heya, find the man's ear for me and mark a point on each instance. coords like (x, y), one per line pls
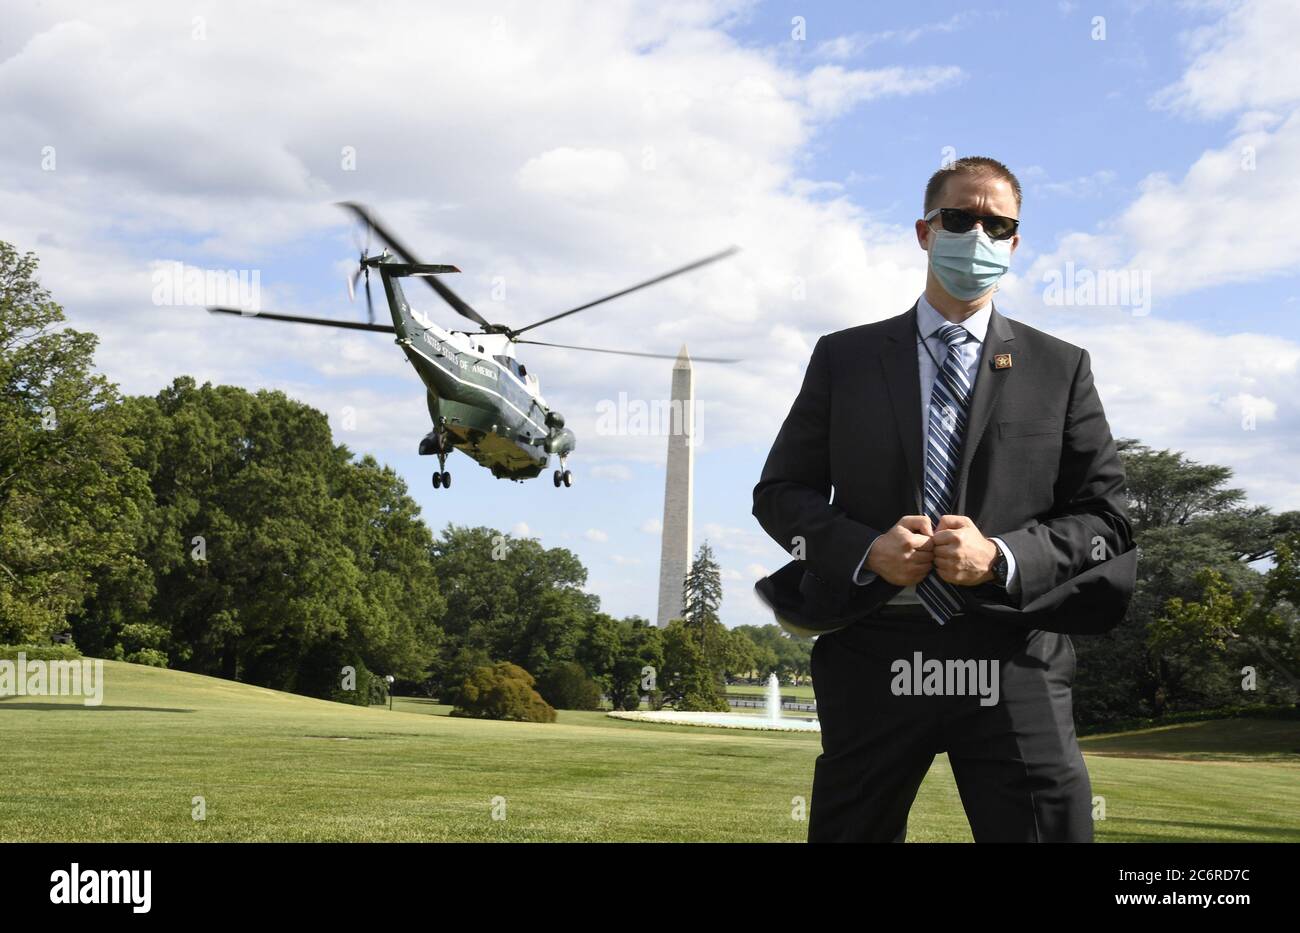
(922, 234)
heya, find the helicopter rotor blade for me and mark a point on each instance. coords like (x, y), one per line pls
(446, 294)
(362, 246)
(363, 214)
(370, 304)
(729, 251)
(317, 321)
(415, 268)
(461, 308)
(657, 356)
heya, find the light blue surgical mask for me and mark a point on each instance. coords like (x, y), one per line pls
(968, 264)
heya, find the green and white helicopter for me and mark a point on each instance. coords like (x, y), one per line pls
(482, 399)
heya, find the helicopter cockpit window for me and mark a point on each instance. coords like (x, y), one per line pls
(511, 364)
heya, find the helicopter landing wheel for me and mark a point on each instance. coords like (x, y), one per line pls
(567, 478)
(557, 479)
(446, 479)
(437, 480)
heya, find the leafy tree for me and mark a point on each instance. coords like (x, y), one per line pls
(391, 546)
(511, 597)
(640, 651)
(567, 686)
(697, 648)
(277, 558)
(364, 688)
(73, 506)
(502, 691)
(762, 651)
(686, 680)
(598, 648)
(738, 654)
(1186, 520)
(1263, 634)
(254, 570)
(777, 652)
(450, 672)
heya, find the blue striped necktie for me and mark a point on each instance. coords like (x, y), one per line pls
(949, 401)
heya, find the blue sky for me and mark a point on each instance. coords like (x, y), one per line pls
(564, 152)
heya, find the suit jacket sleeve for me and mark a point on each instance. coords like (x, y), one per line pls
(792, 498)
(1089, 523)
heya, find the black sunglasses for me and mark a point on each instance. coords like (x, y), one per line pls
(956, 220)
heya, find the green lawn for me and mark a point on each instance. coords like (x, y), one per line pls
(803, 691)
(273, 766)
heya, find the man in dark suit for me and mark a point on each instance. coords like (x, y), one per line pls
(947, 483)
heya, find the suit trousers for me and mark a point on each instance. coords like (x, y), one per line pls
(1017, 764)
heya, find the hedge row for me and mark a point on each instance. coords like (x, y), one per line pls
(41, 652)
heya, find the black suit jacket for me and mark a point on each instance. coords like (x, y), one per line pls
(1039, 469)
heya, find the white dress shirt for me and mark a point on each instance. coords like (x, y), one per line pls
(930, 321)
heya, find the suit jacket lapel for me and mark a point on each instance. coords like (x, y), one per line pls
(903, 377)
(989, 383)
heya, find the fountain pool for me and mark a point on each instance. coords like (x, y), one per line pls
(770, 719)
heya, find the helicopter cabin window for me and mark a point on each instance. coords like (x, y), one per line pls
(512, 364)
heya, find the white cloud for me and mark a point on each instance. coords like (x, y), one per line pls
(1251, 409)
(566, 172)
(1205, 229)
(1220, 399)
(1083, 186)
(595, 534)
(549, 177)
(854, 44)
(725, 539)
(831, 89)
(1211, 226)
(1243, 61)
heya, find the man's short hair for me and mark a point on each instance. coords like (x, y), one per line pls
(970, 165)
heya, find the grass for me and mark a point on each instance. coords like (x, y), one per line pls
(274, 766)
(802, 691)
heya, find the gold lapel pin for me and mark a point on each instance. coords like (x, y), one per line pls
(1002, 361)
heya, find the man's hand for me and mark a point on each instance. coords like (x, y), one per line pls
(904, 554)
(962, 556)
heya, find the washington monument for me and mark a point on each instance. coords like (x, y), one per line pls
(675, 549)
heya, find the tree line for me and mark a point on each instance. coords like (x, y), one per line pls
(222, 531)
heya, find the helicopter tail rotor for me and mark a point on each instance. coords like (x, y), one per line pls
(363, 268)
(371, 223)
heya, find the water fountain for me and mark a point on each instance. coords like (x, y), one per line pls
(771, 720)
